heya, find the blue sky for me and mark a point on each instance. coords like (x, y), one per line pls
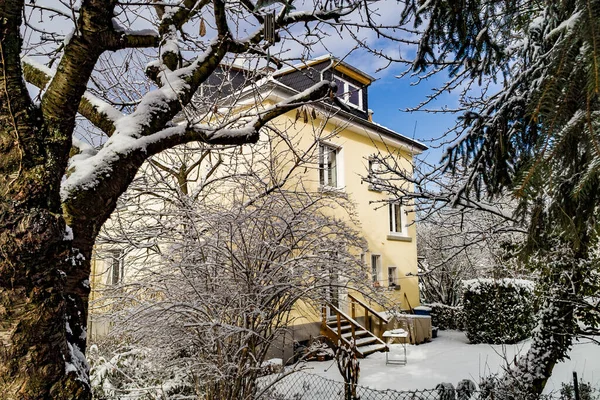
(389, 96)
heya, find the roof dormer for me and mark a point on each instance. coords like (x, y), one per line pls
(352, 83)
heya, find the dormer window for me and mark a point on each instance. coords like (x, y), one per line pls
(349, 93)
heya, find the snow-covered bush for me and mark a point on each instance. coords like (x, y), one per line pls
(446, 391)
(225, 291)
(121, 370)
(586, 391)
(498, 310)
(465, 389)
(447, 317)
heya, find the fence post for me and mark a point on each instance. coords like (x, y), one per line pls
(576, 386)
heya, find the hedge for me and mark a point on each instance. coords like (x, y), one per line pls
(498, 311)
(447, 317)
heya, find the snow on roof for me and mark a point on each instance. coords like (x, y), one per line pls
(318, 60)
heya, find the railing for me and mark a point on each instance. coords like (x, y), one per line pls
(367, 312)
(336, 336)
(340, 316)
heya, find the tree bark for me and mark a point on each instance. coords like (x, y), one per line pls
(42, 317)
(40, 357)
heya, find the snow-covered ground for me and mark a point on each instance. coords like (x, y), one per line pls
(449, 358)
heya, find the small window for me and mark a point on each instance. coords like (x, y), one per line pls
(375, 268)
(375, 182)
(397, 219)
(392, 277)
(115, 267)
(328, 165)
(349, 93)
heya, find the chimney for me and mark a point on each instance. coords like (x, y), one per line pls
(370, 112)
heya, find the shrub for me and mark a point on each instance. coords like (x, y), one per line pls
(586, 391)
(447, 317)
(498, 311)
(123, 370)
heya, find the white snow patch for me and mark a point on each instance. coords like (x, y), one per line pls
(141, 32)
(450, 358)
(272, 362)
(566, 25)
(68, 37)
(68, 233)
(78, 363)
(103, 107)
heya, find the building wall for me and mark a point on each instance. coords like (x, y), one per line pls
(356, 146)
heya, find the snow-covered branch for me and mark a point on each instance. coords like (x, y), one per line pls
(98, 112)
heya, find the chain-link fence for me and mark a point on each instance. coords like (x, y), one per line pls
(305, 386)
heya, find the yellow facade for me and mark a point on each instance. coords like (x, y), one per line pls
(396, 251)
(355, 143)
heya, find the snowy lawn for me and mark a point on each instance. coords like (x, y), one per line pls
(449, 358)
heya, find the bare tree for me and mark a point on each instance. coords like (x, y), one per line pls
(57, 191)
(464, 242)
(460, 236)
(228, 275)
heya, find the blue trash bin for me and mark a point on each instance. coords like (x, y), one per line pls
(422, 310)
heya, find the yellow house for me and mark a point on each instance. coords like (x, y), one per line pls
(348, 141)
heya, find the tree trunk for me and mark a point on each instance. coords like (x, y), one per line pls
(551, 342)
(552, 338)
(42, 326)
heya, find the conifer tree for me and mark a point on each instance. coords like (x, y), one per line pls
(533, 133)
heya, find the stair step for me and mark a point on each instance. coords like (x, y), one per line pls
(348, 335)
(365, 341)
(372, 348)
(343, 328)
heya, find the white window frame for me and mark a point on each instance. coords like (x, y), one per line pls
(392, 220)
(115, 262)
(372, 168)
(392, 282)
(376, 269)
(346, 93)
(323, 163)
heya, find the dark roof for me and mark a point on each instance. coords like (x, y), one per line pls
(359, 121)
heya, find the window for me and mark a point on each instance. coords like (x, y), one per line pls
(328, 165)
(397, 219)
(115, 267)
(374, 176)
(375, 268)
(349, 93)
(392, 277)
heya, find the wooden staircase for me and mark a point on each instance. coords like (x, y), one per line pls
(340, 327)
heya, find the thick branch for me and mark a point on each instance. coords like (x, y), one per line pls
(99, 113)
(171, 23)
(102, 177)
(132, 40)
(23, 175)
